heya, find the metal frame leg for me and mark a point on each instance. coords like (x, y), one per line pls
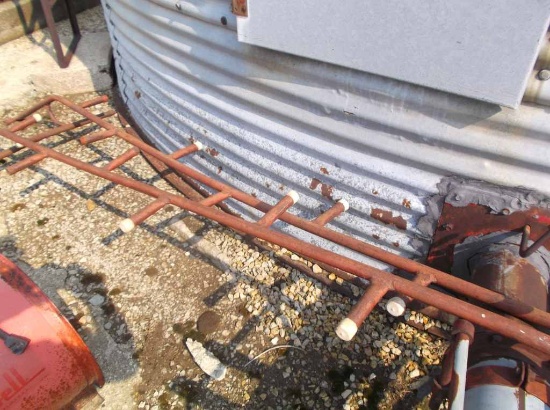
(62, 59)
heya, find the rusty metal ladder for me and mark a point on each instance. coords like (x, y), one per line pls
(497, 319)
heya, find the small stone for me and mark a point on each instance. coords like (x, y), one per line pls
(393, 376)
(97, 300)
(414, 374)
(90, 205)
(332, 276)
(317, 269)
(346, 393)
(294, 257)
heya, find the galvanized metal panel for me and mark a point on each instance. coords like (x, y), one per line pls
(274, 122)
(480, 49)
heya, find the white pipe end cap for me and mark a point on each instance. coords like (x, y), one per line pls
(37, 117)
(345, 203)
(346, 329)
(396, 306)
(199, 145)
(127, 225)
(294, 195)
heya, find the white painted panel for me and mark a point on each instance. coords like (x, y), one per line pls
(480, 49)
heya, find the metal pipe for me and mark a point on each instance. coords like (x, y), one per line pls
(482, 317)
(98, 136)
(215, 199)
(397, 304)
(130, 223)
(494, 299)
(122, 159)
(53, 131)
(336, 210)
(196, 146)
(274, 213)
(458, 381)
(27, 122)
(348, 327)
(525, 251)
(27, 162)
(52, 98)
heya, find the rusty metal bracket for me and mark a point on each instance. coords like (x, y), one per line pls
(496, 320)
(62, 59)
(239, 7)
(525, 251)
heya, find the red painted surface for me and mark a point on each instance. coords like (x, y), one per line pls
(57, 365)
(457, 224)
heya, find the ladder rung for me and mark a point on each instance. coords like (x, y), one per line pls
(286, 202)
(53, 131)
(121, 159)
(51, 99)
(27, 122)
(98, 136)
(130, 223)
(215, 199)
(396, 305)
(337, 209)
(348, 327)
(194, 147)
(27, 162)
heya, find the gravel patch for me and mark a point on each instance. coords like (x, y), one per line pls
(136, 298)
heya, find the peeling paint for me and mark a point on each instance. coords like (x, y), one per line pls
(326, 189)
(388, 218)
(212, 151)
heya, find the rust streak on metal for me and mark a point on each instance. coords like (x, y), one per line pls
(326, 189)
(212, 151)
(239, 8)
(388, 218)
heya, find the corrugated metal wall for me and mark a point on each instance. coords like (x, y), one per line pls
(274, 122)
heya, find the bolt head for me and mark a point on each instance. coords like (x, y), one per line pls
(543, 75)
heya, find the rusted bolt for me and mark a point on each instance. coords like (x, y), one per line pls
(543, 75)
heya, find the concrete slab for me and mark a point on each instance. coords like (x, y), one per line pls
(29, 64)
(20, 17)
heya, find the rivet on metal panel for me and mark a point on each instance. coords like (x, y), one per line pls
(239, 8)
(544, 75)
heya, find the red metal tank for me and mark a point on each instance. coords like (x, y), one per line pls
(56, 365)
